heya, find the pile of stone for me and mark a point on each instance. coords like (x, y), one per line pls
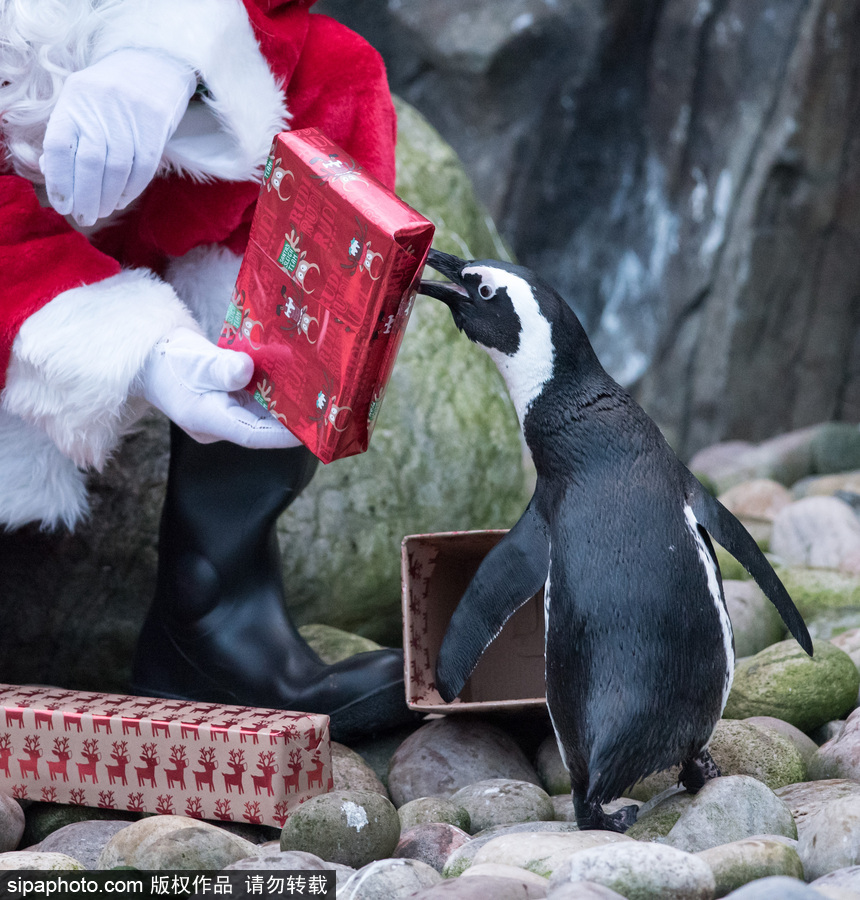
(472, 807)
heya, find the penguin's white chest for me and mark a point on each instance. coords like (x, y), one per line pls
(716, 597)
(546, 614)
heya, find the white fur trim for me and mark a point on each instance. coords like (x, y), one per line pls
(42, 44)
(228, 136)
(204, 280)
(75, 360)
(39, 484)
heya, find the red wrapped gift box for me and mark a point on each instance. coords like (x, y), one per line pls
(203, 760)
(324, 292)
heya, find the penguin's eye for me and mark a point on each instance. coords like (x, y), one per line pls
(486, 291)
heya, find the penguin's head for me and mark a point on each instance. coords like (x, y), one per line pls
(507, 310)
(481, 295)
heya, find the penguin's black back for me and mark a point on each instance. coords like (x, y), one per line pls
(636, 665)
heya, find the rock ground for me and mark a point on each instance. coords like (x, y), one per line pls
(458, 806)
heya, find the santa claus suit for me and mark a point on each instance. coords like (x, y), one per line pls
(80, 312)
(88, 314)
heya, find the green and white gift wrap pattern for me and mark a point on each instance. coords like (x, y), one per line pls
(324, 293)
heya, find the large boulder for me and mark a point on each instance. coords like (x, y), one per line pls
(348, 827)
(450, 753)
(681, 171)
(782, 681)
(726, 809)
(445, 454)
(818, 532)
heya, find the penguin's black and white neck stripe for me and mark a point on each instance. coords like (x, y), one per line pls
(534, 338)
(498, 309)
(639, 651)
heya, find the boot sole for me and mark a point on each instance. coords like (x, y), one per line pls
(379, 711)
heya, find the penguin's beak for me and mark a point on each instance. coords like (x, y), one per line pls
(452, 292)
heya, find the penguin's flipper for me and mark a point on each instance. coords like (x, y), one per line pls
(511, 573)
(729, 533)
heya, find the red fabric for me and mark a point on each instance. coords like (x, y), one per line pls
(335, 81)
(40, 257)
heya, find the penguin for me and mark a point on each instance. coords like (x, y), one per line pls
(639, 646)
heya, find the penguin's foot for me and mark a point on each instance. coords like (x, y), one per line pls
(622, 818)
(697, 770)
(591, 817)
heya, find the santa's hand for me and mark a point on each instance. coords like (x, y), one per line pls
(108, 130)
(193, 383)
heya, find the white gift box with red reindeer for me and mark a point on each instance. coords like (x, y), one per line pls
(205, 760)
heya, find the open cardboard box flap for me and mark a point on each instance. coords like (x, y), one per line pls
(436, 570)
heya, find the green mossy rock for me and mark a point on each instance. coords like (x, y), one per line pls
(333, 644)
(817, 591)
(743, 748)
(833, 623)
(658, 817)
(428, 810)
(353, 828)
(503, 801)
(35, 859)
(740, 862)
(351, 772)
(446, 452)
(730, 568)
(835, 448)
(551, 769)
(740, 748)
(173, 842)
(782, 681)
(730, 809)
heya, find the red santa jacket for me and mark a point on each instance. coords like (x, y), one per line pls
(78, 313)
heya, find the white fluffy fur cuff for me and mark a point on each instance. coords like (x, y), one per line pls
(228, 135)
(74, 361)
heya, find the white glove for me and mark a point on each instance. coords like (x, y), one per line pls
(190, 380)
(108, 130)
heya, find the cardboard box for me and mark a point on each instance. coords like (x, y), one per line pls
(436, 570)
(324, 293)
(204, 760)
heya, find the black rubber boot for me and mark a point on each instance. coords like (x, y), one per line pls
(218, 630)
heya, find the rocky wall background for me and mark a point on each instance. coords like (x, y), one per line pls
(685, 171)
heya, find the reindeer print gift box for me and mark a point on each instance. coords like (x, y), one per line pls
(324, 292)
(203, 760)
